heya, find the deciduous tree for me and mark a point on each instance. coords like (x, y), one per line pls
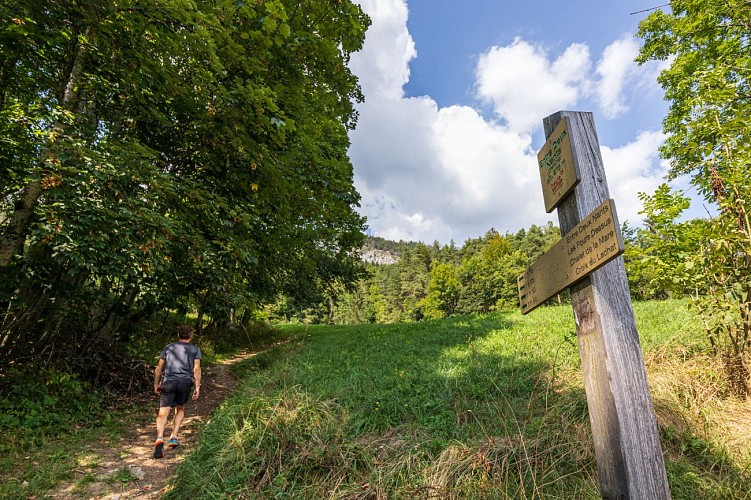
(171, 154)
(708, 83)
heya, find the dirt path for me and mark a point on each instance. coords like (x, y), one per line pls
(126, 469)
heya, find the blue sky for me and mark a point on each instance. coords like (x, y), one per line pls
(455, 93)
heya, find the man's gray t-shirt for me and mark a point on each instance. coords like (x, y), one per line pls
(178, 360)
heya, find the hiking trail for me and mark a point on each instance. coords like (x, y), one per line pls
(125, 468)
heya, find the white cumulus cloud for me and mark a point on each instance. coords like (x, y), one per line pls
(615, 69)
(632, 169)
(523, 84)
(383, 64)
(429, 173)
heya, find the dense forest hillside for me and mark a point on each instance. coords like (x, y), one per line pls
(411, 281)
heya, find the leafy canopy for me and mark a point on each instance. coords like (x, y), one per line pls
(708, 83)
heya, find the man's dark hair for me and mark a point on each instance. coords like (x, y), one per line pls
(185, 332)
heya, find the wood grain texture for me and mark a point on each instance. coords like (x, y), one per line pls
(627, 444)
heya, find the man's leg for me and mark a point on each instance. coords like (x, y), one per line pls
(182, 394)
(179, 415)
(161, 420)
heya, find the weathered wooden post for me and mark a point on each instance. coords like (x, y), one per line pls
(624, 427)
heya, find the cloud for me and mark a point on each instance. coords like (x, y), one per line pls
(615, 69)
(393, 141)
(522, 82)
(523, 85)
(636, 168)
(449, 173)
(388, 222)
(631, 169)
(383, 64)
(440, 173)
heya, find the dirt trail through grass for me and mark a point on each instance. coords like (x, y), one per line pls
(127, 469)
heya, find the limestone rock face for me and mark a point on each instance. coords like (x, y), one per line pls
(380, 257)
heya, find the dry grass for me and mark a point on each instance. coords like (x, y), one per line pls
(690, 392)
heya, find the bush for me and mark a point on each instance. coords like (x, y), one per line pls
(40, 403)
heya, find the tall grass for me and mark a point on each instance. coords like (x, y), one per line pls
(473, 407)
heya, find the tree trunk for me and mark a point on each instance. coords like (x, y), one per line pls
(14, 235)
(357, 303)
(20, 323)
(199, 323)
(7, 67)
(232, 322)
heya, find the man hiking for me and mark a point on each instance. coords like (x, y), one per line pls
(180, 363)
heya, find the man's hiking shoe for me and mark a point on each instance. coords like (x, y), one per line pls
(159, 448)
(173, 443)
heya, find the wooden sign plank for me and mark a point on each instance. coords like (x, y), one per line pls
(594, 242)
(624, 427)
(559, 172)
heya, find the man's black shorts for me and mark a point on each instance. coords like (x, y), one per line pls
(175, 393)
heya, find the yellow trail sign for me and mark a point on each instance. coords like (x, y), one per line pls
(592, 243)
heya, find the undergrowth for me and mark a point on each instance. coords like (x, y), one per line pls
(44, 403)
(48, 413)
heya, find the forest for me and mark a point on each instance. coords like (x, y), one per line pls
(428, 281)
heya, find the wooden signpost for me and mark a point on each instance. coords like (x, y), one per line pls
(587, 259)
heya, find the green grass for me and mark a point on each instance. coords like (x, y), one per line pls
(46, 416)
(473, 407)
(30, 470)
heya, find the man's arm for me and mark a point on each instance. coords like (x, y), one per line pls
(197, 377)
(158, 376)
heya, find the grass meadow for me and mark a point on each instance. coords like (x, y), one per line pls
(470, 407)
